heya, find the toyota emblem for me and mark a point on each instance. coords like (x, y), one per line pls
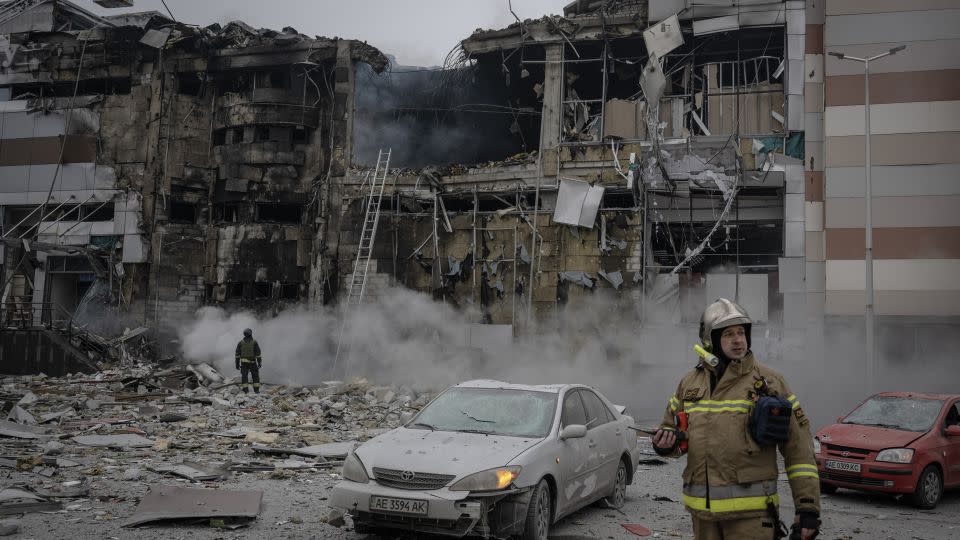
(407, 476)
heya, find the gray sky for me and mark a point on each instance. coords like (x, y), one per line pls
(417, 32)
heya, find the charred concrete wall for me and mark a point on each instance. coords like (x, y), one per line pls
(211, 146)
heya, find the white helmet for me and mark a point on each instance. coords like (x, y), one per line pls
(721, 314)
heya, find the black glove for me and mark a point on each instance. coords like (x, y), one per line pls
(238, 363)
(259, 363)
(808, 520)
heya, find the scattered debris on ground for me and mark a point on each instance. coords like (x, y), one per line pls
(147, 426)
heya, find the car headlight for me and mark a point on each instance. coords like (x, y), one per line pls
(354, 471)
(491, 480)
(816, 446)
(896, 455)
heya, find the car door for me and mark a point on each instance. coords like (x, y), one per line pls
(951, 452)
(604, 438)
(576, 464)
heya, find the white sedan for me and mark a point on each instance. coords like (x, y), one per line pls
(492, 459)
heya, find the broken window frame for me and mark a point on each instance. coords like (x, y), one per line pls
(269, 212)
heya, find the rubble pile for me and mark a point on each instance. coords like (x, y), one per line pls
(63, 438)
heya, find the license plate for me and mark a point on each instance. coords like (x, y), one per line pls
(398, 506)
(843, 466)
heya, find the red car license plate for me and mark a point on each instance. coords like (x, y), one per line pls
(843, 466)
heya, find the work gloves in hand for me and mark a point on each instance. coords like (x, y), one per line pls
(238, 363)
(259, 362)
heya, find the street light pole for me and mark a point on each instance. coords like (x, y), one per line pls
(871, 359)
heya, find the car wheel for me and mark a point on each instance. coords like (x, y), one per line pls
(619, 496)
(537, 525)
(829, 489)
(929, 488)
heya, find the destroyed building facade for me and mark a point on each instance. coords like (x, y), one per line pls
(158, 167)
(662, 152)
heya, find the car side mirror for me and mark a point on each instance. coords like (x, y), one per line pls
(951, 431)
(839, 419)
(576, 431)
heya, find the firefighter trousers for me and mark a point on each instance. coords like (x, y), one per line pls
(759, 528)
(249, 369)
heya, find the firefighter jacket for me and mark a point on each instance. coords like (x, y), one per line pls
(728, 475)
(248, 350)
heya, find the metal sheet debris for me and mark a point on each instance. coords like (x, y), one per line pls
(653, 82)
(579, 278)
(193, 470)
(165, 503)
(615, 278)
(19, 501)
(19, 431)
(578, 203)
(126, 440)
(663, 37)
(156, 38)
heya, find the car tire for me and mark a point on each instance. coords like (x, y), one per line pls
(929, 488)
(539, 514)
(829, 489)
(618, 498)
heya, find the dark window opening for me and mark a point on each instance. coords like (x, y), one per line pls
(226, 213)
(485, 203)
(237, 135)
(278, 79)
(290, 291)
(234, 290)
(279, 213)
(747, 244)
(190, 84)
(98, 213)
(220, 137)
(261, 290)
(208, 292)
(261, 134)
(181, 212)
(618, 200)
(300, 135)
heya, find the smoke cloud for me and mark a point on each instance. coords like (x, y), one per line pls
(406, 338)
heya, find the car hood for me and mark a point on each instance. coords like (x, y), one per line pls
(440, 452)
(866, 437)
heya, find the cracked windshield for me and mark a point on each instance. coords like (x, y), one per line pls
(907, 414)
(516, 413)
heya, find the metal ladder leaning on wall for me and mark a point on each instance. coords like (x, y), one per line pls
(357, 285)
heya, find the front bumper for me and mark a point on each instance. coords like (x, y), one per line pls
(449, 513)
(873, 476)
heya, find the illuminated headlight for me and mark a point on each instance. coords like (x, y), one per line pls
(816, 446)
(896, 455)
(491, 480)
(354, 471)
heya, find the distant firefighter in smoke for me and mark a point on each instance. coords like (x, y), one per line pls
(249, 362)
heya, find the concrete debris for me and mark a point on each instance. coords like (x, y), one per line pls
(262, 438)
(9, 527)
(108, 453)
(127, 440)
(20, 416)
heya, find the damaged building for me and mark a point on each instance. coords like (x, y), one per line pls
(156, 167)
(637, 149)
(660, 152)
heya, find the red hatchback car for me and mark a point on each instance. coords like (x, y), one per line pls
(894, 442)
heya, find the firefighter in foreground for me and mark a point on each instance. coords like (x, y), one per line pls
(249, 361)
(729, 415)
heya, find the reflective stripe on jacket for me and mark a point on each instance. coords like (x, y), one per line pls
(728, 475)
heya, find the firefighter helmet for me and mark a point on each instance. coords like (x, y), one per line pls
(721, 314)
(248, 333)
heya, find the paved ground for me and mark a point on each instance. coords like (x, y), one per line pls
(294, 508)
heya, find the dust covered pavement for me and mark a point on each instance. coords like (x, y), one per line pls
(90, 451)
